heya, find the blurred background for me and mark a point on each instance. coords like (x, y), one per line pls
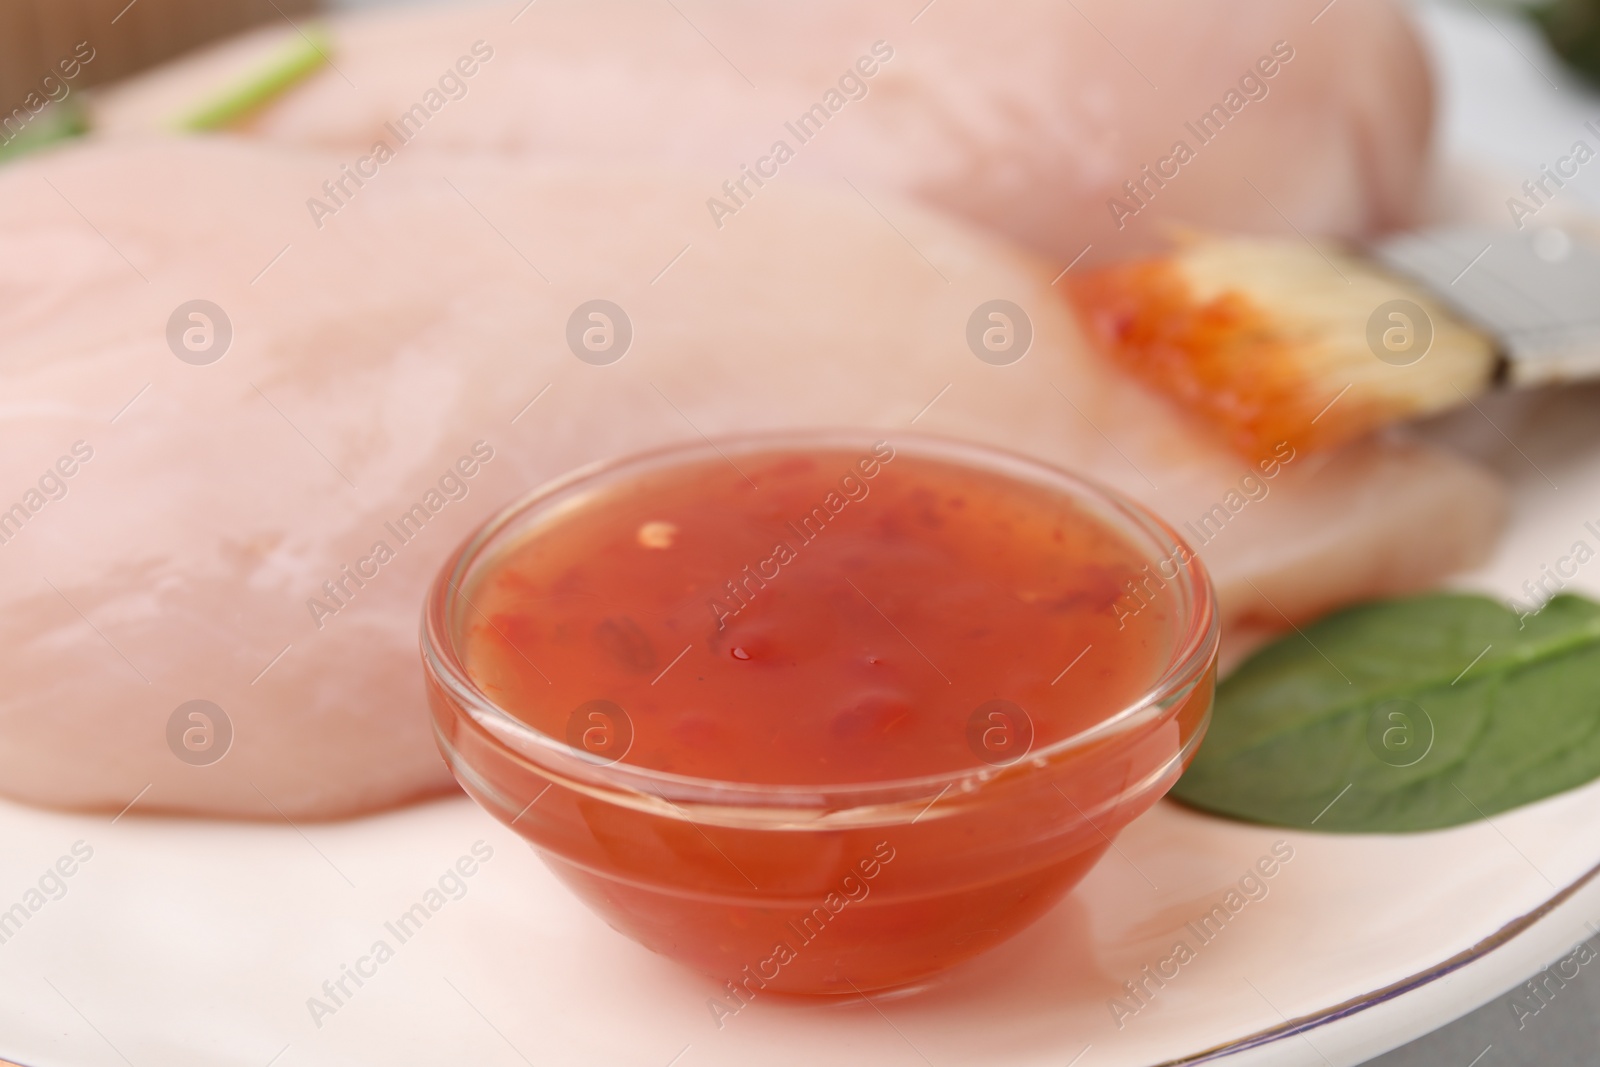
(34, 34)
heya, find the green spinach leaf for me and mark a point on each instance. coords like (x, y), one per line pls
(1573, 28)
(1406, 715)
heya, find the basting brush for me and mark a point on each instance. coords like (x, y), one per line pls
(1275, 340)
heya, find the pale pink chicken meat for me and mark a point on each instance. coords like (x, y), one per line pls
(429, 319)
(1026, 118)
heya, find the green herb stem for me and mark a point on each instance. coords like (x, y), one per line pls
(57, 122)
(307, 53)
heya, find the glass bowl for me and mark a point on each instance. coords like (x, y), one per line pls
(836, 888)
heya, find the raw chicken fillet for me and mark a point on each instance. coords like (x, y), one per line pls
(1028, 118)
(398, 373)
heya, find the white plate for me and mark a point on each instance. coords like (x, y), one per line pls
(184, 942)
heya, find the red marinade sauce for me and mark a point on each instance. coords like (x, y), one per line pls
(815, 617)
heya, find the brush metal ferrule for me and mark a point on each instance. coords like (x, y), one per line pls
(1536, 292)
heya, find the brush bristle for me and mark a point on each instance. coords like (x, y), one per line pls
(1268, 340)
